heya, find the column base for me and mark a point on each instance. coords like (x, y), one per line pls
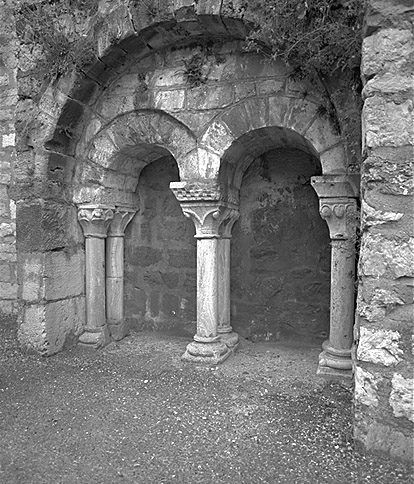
(335, 363)
(117, 329)
(231, 340)
(209, 353)
(95, 339)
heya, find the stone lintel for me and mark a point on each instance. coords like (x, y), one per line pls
(95, 219)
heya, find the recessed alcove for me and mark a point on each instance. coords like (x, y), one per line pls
(280, 251)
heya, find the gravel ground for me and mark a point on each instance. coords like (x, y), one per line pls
(135, 413)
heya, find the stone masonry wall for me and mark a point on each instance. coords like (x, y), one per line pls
(384, 410)
(8, 100)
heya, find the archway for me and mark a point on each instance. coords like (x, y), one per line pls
(160, 256)
(280, 251)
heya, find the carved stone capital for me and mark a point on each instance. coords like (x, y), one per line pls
(95, 220)
(208, 217)
(227, 224)
(340, 215)
(122, 217)
(211, 192)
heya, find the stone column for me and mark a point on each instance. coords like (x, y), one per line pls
(115, 272)
(224, 328)
(207, 345)
(337, 205)
(95, 221)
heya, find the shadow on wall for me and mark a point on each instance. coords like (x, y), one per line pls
(160, 257)
(280, 256)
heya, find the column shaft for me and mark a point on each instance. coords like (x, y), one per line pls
(95, 283)
(207, 286)
(224, 285)
(342, 294)
(115, 278)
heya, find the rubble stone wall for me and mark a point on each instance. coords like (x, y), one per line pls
(384, 410)
(8, 100)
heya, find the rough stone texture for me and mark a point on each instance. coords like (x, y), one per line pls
(8, 100)
(383, 359)
(401, 398)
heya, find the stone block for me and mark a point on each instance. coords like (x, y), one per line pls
(182, 259)
(371, 217)
(366, 387)
(143, 256)
(321, 134)
(171, 279)
(46, 225)
(45, 327)
(394, 86)
(64, 275)
(208, 164)
(8, 290)
(402, 397)
(379, 346)
(209, 97)
(169, 101)
(384, 438)
(386, 123)
(217, 138)
(392, 257)
(388, 50)
(269, 86)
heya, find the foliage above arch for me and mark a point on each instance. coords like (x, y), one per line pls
(316, 38)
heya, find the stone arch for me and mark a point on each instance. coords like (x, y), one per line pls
(252, 127)
(117, 153)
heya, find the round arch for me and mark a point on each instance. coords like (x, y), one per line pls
(116, 154)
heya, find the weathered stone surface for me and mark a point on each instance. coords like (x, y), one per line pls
(366, 387)
(386, 123)
(384, 438)
(371, 216)
(388, 50)
(45, 328)
(382, 256)
(402, 396)
(381, 347)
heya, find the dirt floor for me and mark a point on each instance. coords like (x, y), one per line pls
(135, 413)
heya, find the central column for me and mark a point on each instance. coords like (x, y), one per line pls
(203, 204)
(95, 221)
